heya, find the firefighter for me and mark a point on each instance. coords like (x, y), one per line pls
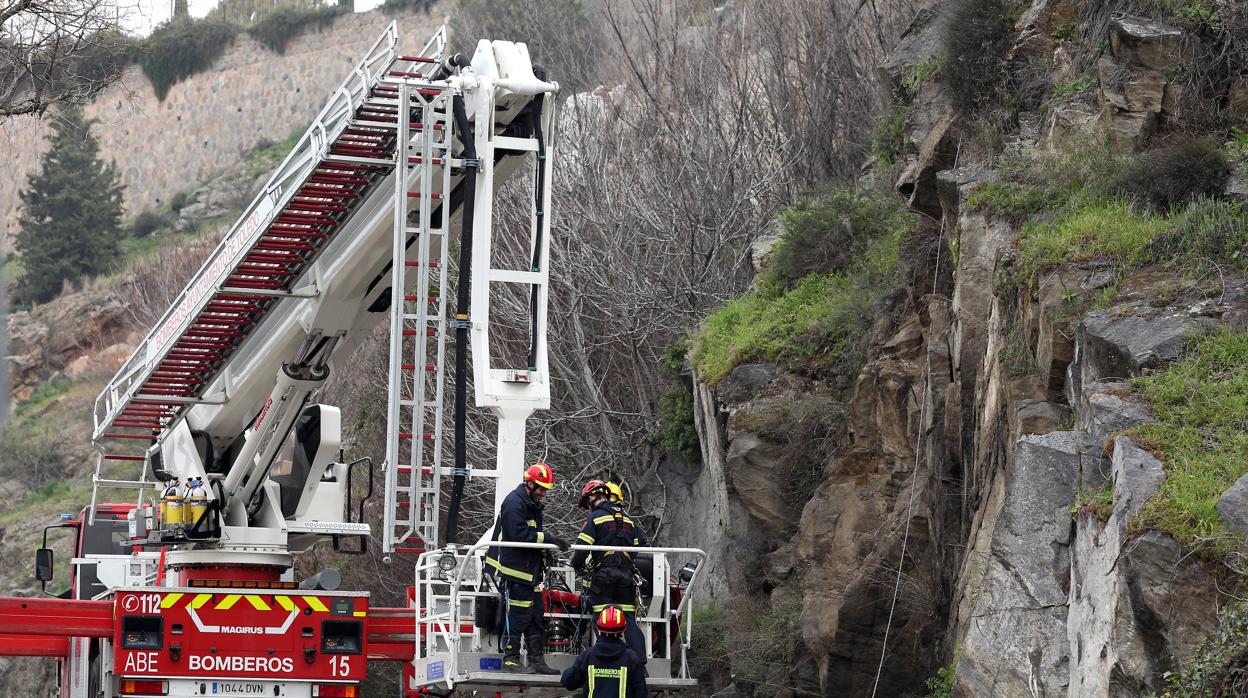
(610, 668)
(611, 573)
(616, 493)
(519, 569)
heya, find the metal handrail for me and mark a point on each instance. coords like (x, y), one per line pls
(472, 551)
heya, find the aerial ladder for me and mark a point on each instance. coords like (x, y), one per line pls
(229, 464)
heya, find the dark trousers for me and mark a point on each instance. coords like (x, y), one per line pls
(525, 618)
(614, 585)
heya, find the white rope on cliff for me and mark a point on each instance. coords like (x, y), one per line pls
(918, 442)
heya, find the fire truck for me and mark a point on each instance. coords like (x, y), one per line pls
(219, 460)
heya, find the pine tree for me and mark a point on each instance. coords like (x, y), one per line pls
(70, 225)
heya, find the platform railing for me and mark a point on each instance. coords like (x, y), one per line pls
(449, 623)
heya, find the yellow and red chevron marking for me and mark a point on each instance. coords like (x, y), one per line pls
(221, 601)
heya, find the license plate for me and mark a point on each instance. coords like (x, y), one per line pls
(243, 688)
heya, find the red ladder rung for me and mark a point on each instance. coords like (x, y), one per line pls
(274, 256)
(192, 343)
(268, 244)
(418, 59)
(127, 458)
(416, 160)
(137, 424)
(147, 437)
(412, 299)
(432, 265)
(416, 195)
(326, 207)
(346, 166)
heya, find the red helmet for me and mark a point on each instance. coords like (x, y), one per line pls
(592, 487)
(541, 475)
(611, 621)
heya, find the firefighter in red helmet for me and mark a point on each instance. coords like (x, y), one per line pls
(519, 569)
(609, 669)
(611, 574)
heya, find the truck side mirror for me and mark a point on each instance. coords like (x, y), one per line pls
(43, 565)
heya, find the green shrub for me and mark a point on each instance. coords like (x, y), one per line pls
(941, 685)
(822, 235)
(1207, 229)
(818, 327)
(1110, 230)
(888, 137)
(1218, 668)
(1066, 88)
(677, 433)
(1015, 201)
(278, 27)
(1167, 178)
(1236, 147)
(179, 201)
(709, 644)
(1083, 172)
(147, 223)
(976, 37)
(104, 56)
(1200, 403)
(182, 47)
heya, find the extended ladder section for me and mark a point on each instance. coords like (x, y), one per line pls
(333, 170)
(418, 317)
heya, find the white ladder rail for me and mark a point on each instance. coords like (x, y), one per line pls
(412, 476)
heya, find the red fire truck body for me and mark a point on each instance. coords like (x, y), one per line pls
(246, 634)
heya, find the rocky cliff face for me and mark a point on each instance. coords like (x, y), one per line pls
(967, 514)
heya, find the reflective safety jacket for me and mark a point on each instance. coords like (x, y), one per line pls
(519, 521)
(608, 524)
(609, 669)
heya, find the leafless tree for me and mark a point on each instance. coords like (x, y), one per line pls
(56, 51)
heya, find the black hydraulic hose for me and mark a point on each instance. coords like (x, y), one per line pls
(462, 320)
(539, 196)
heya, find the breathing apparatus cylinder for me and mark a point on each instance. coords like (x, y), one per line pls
(171, 508)
(196, 503)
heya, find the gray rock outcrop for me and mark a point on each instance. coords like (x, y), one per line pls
(1016, 641)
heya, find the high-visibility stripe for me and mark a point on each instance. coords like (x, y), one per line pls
(522, 576)
(200, 600)
(520, 604)
(586, 537)
(625, 607)
(605, 519)
(228, 602)
(360, 614)
(315, 604)
(541, 537)
(623, 679)
(257, 602)
(169, 600)
(532, 523)
(285, 602)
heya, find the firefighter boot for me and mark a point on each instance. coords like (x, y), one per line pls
(511, 656)
(537, 659)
